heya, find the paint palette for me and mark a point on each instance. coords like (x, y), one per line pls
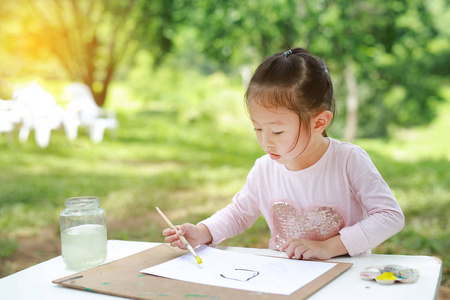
(390, 274)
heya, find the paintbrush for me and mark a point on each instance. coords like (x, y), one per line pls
(182, 238)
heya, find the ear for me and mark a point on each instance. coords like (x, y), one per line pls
(321, 121)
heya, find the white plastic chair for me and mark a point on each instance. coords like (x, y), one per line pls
(82, 111)
(37, 110)
(6, 116)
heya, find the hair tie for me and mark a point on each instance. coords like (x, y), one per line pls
(286, 54)
(324, 67)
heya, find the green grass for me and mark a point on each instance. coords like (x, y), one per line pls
(192, 169)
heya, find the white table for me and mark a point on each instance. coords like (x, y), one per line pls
(36, 282)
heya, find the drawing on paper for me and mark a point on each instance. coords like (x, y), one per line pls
(241, 275)
(248, 272)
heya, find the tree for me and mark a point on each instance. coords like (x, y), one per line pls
(6, 12)
(346, 36)
(418, 63)
(390, 58)
(239, 32)
(91, 39)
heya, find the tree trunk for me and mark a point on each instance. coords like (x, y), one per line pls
(351, 125)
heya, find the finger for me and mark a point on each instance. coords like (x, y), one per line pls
(308, 254)
(179, 244)
(296, 249)
(183, 229)
(285, 245)
(180, 230)
(171, 238)
(290, 251)
(168, 232)
(298, 253)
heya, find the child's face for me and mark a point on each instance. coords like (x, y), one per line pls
(277, 131)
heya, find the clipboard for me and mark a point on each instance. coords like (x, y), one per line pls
(123, 278)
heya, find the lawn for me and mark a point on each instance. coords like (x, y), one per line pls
(192, 168)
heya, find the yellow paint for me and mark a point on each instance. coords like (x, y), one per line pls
(199, 260)
(387, 276)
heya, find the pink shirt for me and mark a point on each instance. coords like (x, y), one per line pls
(343, 193)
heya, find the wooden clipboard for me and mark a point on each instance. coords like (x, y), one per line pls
(123, 278)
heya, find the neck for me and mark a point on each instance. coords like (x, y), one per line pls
(312, 154)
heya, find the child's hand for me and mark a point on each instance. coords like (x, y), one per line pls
(307, 249)
(195, 235)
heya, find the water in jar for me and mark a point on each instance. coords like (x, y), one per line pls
(84, 246)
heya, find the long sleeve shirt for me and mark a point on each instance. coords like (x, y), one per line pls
(343, 193)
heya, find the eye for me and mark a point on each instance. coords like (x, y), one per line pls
(278, 132)
(257, 129)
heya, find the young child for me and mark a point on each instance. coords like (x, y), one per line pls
(320, 197)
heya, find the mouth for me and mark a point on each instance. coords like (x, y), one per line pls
(274, 156)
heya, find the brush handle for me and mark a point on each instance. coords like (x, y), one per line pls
(182, 238)
(188, 246)
(167, 220)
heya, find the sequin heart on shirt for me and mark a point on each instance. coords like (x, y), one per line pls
(318, 224)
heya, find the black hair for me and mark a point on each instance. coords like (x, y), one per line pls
(294, 79)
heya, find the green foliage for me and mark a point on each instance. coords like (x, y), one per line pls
(396, 45)
(191, 96)
(7, 247)
(85, 41)
(400, 48)
(237, 31)
(390, 43)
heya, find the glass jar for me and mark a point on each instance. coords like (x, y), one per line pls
(83, 233)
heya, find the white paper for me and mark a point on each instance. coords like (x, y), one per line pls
(242, 271)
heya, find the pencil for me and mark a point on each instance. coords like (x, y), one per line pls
(182, 238)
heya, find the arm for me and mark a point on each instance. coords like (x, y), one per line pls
(226, 223)
(384, 217)
(237, 216)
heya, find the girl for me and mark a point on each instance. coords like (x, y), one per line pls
(320, 197)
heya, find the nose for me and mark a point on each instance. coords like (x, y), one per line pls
(266, 141)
